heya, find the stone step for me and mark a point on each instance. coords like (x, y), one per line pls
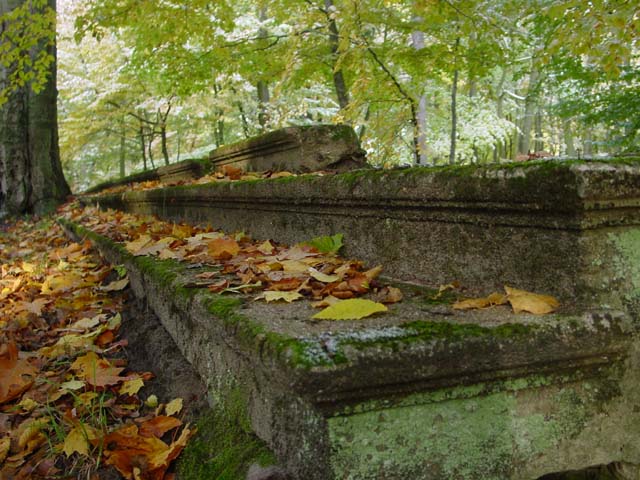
(181, 171)
(570, 229)
(423, 392)
(295, 149)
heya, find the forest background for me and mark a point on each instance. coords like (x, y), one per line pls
(145, 83)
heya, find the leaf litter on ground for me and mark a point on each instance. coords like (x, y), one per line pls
(66, 394)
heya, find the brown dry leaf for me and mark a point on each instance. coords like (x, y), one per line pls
(325, 302)
(223, 248)
(389, 295)
(135, 246)
(97, 371)
(16, 375)
(480, 303)
(116, 285)
(373, 273)
(158, 426)
(266, 248)
(234, 173)
(523, 301)
(5, 444)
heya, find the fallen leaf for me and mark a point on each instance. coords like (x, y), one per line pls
(158, 426)
(325, 302)
(327, 244)
(523, 301)
(116, 286)
(173, 407)
(321, 277)
(266, 248)
(16, 375)
(389, 295)
(234, 173)
(76, 442)
(151, 401)
(135, 246)
(276, 296)
(5, 444)
(352, 309)
(97, 371)
(131, 387)
(481, 303)
(223, 248)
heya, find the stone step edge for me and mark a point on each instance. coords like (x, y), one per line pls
(578, 346)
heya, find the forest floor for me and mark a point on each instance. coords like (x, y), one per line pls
(91, 385)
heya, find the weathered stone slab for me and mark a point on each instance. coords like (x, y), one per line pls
(421, 393)
(295, 149)
(571, 229)
(175, 172)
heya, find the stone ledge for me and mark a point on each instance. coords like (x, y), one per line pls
(314, 388)
(295, 149)
(565, 228)
(175, 172)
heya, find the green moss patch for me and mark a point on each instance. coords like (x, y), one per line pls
(224, 447)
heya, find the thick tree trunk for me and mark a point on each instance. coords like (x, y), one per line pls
(31, 178)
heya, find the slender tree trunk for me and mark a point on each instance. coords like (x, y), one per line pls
(417, 40)
(454, 109)
(588, 142)
(31, 178)
(530, 106)
(454, 118)
(342, 92)
(163, 139)
(262, 86)
(243, 118)
(123, 145)
(539, 142)
(143, 147)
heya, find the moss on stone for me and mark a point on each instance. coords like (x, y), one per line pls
(224, 447)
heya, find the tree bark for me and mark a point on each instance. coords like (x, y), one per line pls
(454, 108)
(31, 178)
(417, 41)
(342, 92)
(530, 105)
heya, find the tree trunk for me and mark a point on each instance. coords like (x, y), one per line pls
(417, 41)
(539, 142)
(454, 109)
(454, 118)
(143, 147)
(570, 149)
(123, 145)
(339, 83)
(31, 178)
(263, 86)
(530, 106)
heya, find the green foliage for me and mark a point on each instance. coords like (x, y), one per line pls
(27, 28)
(327, 244)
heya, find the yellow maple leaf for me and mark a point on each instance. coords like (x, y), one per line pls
(173, 407)
(131, 387)
(76, 441)
(321, 277)
(480, 303)
(352, 309)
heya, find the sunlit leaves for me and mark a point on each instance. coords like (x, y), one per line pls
(353, 309)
